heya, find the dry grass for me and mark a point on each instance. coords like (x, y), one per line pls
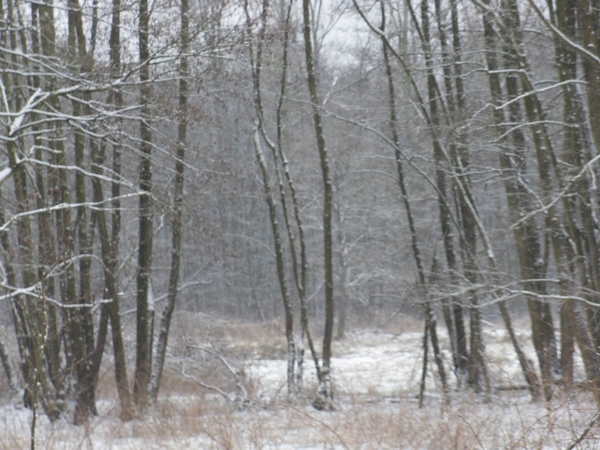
(190, 416)
(264, 340)
(508, 423)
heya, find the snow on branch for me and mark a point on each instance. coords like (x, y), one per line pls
(5, 174)
(518, 98)
(544, 209)
(62, 206)
(35, 292)
(32, 102)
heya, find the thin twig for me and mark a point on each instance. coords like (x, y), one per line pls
(320, 422)
(472, 431)
(591, 423)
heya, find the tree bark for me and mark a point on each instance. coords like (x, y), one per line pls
(256, 59)
(467, 221)
(111, 292)
(85, 394)
(325, 391)
(177, 232)
(11, 278)
(589, 17)
(511, 187)
(109, 242)
(576, 153)
(142, 361)
(545, 156)
(47, 241)
(430, 322)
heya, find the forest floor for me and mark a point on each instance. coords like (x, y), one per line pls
(376, 378)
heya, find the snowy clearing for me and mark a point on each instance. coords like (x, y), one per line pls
(376, 379)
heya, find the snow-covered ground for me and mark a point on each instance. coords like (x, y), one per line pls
(384, 364)
(376, 377)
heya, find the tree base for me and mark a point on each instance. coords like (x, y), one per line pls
(323, 404)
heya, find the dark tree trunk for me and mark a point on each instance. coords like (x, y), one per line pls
(176, 236)
(109, 242)
(325, 392)
(511, 186)
(85, 394)
(142, 361)
(110, 309)
(430, 322)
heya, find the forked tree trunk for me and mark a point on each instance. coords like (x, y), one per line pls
(35, 317)
(256, 59)
(430, 322)
(299, 262)
(472, 363)
(586, 244)
(467, 222)
(529, 243)
(109, 241)
(280, 266)
(110, 292)
(573, 326)
(325, 391)
(434, 104)
(511, 187)
(177, 232)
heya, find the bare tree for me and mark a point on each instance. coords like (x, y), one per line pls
(143, 343)
(178, 192)
(325, 392)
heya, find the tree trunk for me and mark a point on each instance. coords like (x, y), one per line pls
(431, 323)
(177, 232)
(444, 207)
(467, 221)
(425, 360)
(85, 395)
(47, 241)
(325, 392)
(11, 278)
(280, 266)
(589, 17)
(109, 242)
(111, 292)
(528, 240)
(511, 187)
(256, 59)
(576, 153)
(142, 361)
(299, 262)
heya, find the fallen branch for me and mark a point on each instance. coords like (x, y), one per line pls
(204, 385)
(236, 376)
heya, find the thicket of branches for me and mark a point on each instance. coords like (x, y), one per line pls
(305, 159)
